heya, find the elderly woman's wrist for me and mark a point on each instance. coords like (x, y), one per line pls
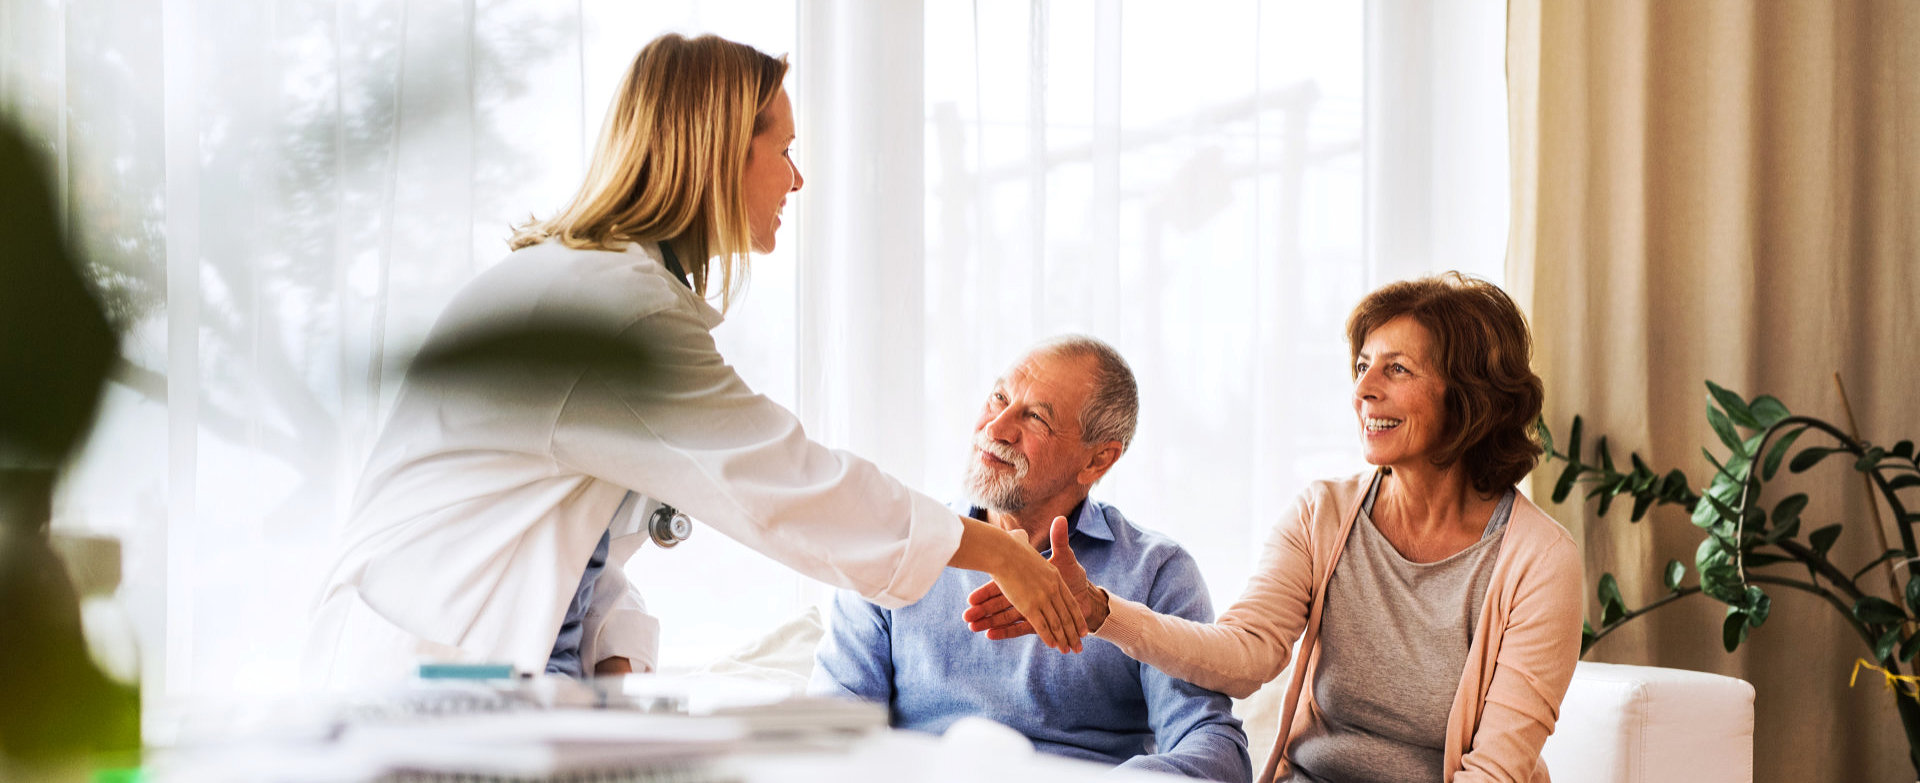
(1098, 608)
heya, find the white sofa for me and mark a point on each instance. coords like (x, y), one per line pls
(1618, 724)
(1646, 724)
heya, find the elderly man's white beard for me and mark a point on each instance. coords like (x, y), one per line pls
(997, 490)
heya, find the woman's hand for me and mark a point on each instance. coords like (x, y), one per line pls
(1027, 583)
(990, 611)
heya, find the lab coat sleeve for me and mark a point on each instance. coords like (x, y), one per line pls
(618, 626)
(677, 424)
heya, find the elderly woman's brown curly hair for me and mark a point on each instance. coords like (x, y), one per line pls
(1485, 356)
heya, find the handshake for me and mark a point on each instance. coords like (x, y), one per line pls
(989, 611)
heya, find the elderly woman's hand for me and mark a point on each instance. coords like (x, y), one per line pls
(989, 610)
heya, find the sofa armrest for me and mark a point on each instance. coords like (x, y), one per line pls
(1646, 724)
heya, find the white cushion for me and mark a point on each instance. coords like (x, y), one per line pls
(1645, 724)
(784, 655)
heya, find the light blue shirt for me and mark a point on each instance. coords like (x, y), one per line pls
(565, 658)
(1099, 705)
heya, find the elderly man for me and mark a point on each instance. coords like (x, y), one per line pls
(1051, 427)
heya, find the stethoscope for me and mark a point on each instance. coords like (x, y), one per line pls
(664, 525)
(668, 527)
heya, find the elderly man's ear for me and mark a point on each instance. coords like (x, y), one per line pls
(1100, 461)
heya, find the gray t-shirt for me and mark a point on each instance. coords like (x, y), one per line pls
(1393, 642)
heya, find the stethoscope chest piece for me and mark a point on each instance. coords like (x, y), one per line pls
(668, 527)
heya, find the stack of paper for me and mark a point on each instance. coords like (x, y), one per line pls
(539, 744)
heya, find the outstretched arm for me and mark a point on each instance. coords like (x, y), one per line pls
(1249, 645)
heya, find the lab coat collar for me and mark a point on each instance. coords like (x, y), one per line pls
(656, 265)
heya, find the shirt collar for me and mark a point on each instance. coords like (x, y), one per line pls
(1085, 518)
(1089, 520)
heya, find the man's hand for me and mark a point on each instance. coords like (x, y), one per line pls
(611, 667)
(1028, 582)
(990, 610)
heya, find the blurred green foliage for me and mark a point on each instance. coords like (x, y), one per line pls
(57, 710)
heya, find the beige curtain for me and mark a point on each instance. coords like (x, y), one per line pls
(1726, 191)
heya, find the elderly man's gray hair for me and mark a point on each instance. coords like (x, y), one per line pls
(1113, 408)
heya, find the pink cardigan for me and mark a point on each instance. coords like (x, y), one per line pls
(1518, 665)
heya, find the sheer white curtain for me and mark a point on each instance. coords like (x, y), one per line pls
(277, 198)
(1210, 187)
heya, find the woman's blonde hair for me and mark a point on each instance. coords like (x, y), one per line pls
(672, 157)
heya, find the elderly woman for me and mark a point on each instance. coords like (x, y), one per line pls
(1438, 610)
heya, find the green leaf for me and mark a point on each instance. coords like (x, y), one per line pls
(1883, 649)
(1674, 486)
(1606, 501)
(1788, 510)
(1546, 435)
(1734, 630)
(1757, 606)
(1779, 452)
(1705, 516)
(1913, 592)
(1573, 443)
(1910, 648)
(1735, 407)
(1822, 539)
(1890, 554)
(1868, 460)
(1713, 561)
(1874, 610)
(1608, 590)
(1612, 607)
(1724, 428)
(1675, 570)
(1777, 534)
(1564, 486)
(1728, 517)
(1753, 521)
(1715, 461)
(1739, 468)
(1767, 411)
(1807, 459)
(1640, 506)
(1606, 455)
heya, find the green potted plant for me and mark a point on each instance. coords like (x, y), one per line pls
(1750, 547)
(61, 717)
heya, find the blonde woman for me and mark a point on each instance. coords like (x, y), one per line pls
(498, 507)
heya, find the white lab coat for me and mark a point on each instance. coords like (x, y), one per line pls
(487, 492)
